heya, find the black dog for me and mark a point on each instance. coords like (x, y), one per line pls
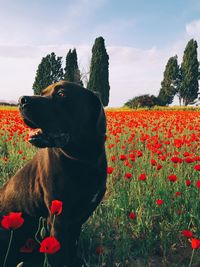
(69, 125)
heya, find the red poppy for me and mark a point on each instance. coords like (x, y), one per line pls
(128, 176)
(143, 177)
(50, 245)
(153, 162)
(159, 201)
(197, 167)
(176, 159)
(123, 157)
(195, 243)
(172, 178)
(12, 221)
(198, 184)
(159, 166)
(110, 170)
(189, 160)
(178, 193)
(187, 233)
(29, 246)
(56, 207)
(132, 215)
(99, 250)
(188, 182)
(139, 153)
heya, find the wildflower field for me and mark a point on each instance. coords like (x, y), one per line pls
(150, 215)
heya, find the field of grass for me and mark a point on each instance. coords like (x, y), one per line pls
(153, 187)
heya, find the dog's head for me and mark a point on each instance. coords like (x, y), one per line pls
(64, 113)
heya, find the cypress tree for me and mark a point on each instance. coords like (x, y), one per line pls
(170, 82)
(99, 73)
(72, 72)
(49, 71)
(189, 87)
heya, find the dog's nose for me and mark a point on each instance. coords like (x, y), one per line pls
(24, 100)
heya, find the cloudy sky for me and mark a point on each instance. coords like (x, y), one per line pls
(140, 36)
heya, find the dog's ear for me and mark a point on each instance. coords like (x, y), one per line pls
(101, 121)
(101, 118)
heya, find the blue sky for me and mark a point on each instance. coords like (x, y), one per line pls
(140, 37)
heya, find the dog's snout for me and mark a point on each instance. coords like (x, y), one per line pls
(24, 100)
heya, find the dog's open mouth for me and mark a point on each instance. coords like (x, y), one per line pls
(41, 139)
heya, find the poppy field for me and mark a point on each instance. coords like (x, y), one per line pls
(150, 215)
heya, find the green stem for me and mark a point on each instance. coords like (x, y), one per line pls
(39, 226)
(9, 245)
(190, 264)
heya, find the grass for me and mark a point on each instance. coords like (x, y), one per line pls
(137, 143)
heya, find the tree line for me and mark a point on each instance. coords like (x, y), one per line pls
(180, 80)
(50, 70)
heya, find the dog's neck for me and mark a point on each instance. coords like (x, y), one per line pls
(86, 152)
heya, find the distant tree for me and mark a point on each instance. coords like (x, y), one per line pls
(142, 101)
(72, 72)
(49, 71)
(170, 82)
(99, 72)
(189, 87)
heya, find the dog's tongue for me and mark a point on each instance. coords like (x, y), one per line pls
(34, 132)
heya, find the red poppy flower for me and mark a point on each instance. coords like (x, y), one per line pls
(188, 182)
(110, 170)
(56, 207)
(143, 177)
(195, 243)
(12, 221)
(29, 246)
(189, 160)
(139, 153)
(197, 167)
(132, 215)
(153, 162)
(50, 245)
(128, 176)
(159, 166)
(178, 193)
(187, 233)
(172, 178)
(123, 157)
(159, 201)
(99, 250)
(198, 184)
(176, 159)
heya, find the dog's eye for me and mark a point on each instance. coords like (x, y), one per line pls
(61, 94)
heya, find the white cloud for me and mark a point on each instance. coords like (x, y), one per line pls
(193, 28)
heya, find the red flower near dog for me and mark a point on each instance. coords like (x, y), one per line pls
(56, 207)
(195, 243)
(110, 170)
(50, 245)
(187, 233)
(12, 221)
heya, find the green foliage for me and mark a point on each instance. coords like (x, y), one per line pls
(188, 90)
(99, 74)
(169, 83)
(49, 71)
(72, 72)
(142, 101)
